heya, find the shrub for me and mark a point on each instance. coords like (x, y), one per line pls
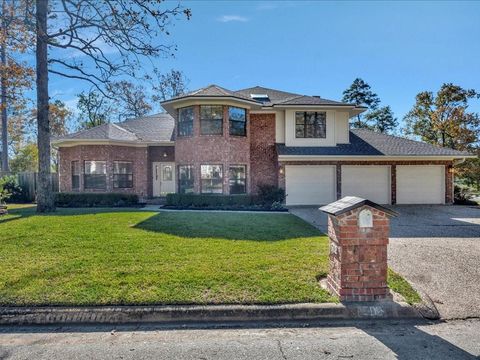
(95, 199)
(209, 201)
(277, 206)
(462, 195)
(10, 185)
(269, 194)
(4, 193)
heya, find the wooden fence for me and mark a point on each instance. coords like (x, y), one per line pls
(28, 182)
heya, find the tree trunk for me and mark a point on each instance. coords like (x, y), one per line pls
(3, 85)
(45, 199)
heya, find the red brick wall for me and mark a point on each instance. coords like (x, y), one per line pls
(448, 173)
(263, 154)
(358, 256)
(222, 149)
(108, 153)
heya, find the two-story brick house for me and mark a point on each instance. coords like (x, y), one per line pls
(217, 141)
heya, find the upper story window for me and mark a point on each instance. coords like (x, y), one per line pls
(238, 121)
(211, 119)
(122, 174)
(311, 124)
(185, 121)
(95, 176)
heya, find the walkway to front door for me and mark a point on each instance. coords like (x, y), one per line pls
(163, 178)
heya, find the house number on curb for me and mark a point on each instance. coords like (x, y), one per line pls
(365, 219)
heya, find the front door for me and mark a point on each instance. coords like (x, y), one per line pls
(163, 178)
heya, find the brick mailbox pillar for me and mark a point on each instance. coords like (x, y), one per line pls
(358, 230)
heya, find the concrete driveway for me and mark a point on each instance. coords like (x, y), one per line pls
(437, 249)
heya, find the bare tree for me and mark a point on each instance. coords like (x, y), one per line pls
(94, 109)
(168, 85)
(131, 99)
(99, 40)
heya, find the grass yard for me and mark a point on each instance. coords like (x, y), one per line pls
(109, 256)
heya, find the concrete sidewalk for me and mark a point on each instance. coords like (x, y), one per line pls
(372, 340)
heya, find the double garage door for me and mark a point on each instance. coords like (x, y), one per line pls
(316, 184)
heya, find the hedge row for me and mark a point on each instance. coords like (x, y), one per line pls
(206, 201)
(95, 199)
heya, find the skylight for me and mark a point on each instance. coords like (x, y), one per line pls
(263, 98)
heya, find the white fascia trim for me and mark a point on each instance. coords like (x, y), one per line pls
(71, 143)
(367, 158)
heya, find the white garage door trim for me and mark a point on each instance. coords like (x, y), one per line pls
(370, 182)
(310, 184)
(421, 184)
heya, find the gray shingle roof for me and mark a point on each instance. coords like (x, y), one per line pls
(369, 143)
(278, 97)
(153, 128)
(158, 127)
(102, 132)
(212, 91)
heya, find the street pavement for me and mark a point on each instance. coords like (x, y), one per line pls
(355, 340)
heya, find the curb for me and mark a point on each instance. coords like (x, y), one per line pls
(207, 313)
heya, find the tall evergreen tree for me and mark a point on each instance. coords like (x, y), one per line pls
(361, 94)
(382, 120)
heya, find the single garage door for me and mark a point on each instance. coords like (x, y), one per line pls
(421, 184)
(309, 184)
(370, 182)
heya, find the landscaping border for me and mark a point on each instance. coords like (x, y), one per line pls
(205, 313)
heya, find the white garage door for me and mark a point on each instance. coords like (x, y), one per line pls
(421, 184)
(309, 184)
(367, 181)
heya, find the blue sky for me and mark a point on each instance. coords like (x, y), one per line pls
(318, 48)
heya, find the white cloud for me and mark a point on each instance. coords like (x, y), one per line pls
(230, 18)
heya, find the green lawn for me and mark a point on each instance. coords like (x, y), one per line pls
(106, 256)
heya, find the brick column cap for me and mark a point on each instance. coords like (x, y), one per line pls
(349, 203)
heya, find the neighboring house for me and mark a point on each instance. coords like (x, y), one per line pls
(217, 141)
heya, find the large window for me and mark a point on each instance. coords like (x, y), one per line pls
(95, 176)
(185, 121)
(237, 179)
(238, 121)
(75, 175)
(212, 179)
(211, 119)
(185, 179)
(310, 124)
(122, 174)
